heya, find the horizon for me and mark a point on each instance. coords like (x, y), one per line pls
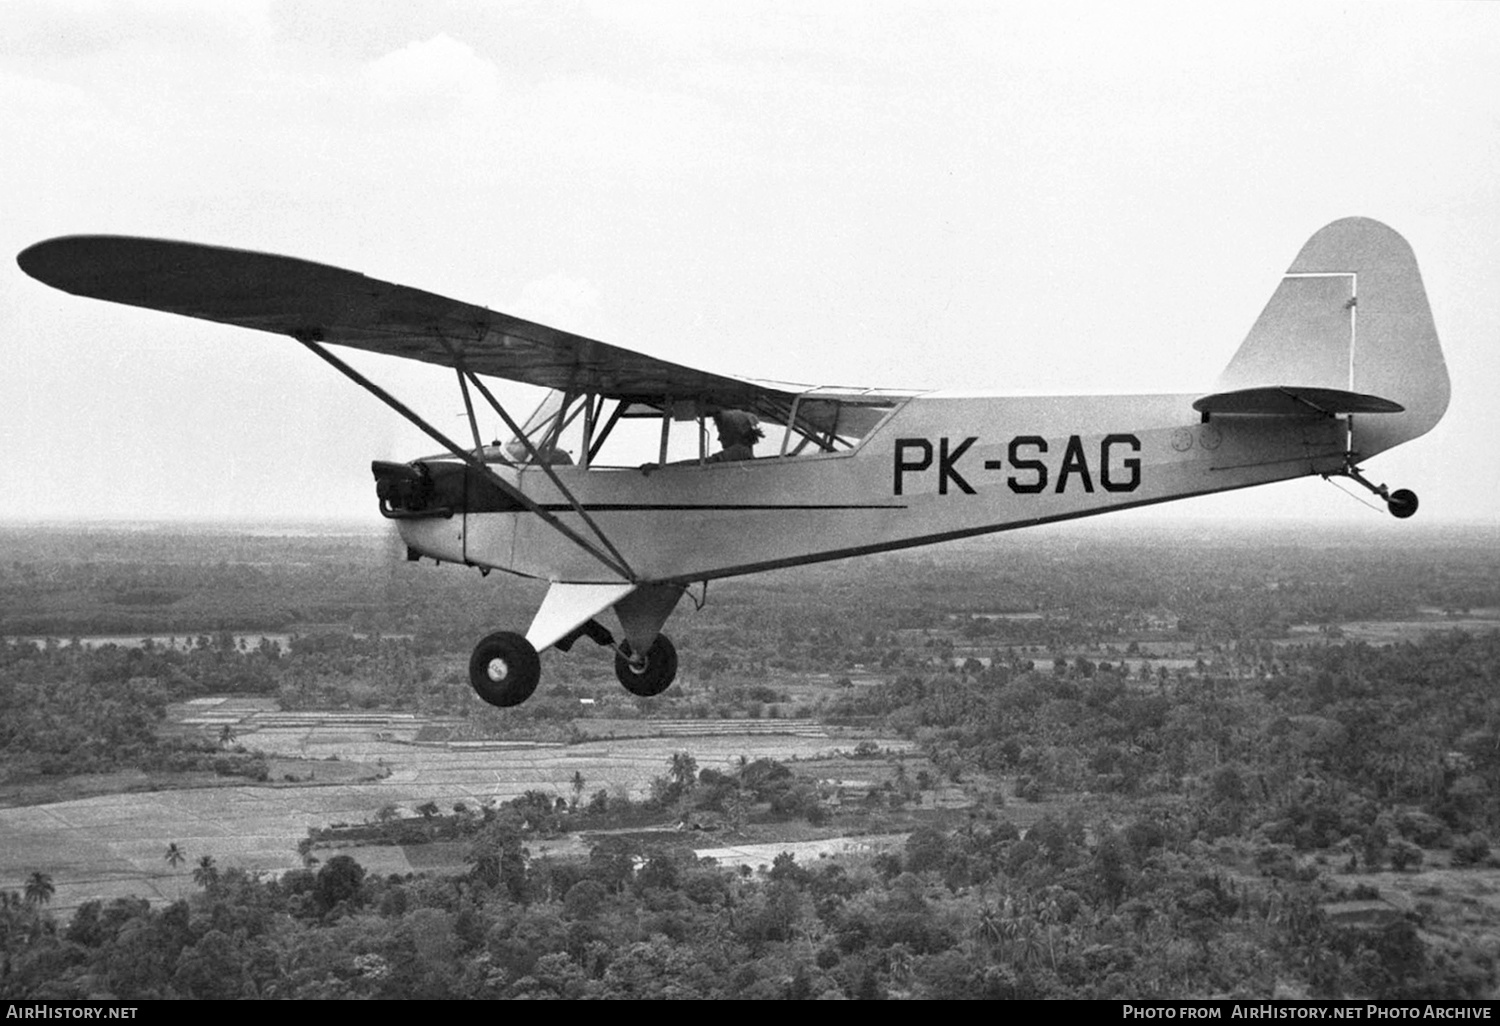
(374, 524)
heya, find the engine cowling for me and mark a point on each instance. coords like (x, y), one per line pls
(436, 488)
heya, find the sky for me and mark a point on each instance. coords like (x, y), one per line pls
(1008, 197)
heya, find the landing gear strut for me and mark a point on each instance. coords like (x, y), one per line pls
(1402, 502)
(504, 669)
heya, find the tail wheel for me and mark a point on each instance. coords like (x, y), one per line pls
(504, 669)
(651, 675)
(1402, 503)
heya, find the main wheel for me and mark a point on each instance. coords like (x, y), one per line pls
(653, 675)
(504, 669)
(1402, 503)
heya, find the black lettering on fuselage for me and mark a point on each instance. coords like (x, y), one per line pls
(1119, 466)
(1133, 466)
(1036, 466)
(1074, 462)
(946, 460)
(903, 465)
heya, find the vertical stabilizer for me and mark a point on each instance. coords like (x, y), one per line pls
(1351, 314)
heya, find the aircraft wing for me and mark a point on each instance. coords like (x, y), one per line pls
(320, 303)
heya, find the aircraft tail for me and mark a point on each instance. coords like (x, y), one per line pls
(1351, 316)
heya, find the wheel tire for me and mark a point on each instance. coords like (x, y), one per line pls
(504, 669)
(1402, 503)
(658, 673)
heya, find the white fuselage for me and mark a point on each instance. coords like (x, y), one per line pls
(939, 467)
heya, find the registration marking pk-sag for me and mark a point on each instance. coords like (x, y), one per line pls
(1030, 473)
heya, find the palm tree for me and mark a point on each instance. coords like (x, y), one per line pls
(175, 857)
(207, 874)
(989, 926)
(226, 735)
(39, 889)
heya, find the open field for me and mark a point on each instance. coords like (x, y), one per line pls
(109, 846)
(1389, 632)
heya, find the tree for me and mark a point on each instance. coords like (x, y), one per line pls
(612, 863)
(683, 769)
(784, 867)
(1111, 868)
(498, 858)
(338, 881)
(207, 873)
(584, 899)
(39, 888)
(226, 735)
(175, 857)
(1405, 855)
(212, 969)
(926, 849)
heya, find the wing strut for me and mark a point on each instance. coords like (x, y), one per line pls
(463, 386)
(538, 461)
(468, 458)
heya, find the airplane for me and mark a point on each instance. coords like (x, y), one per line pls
(1342, 364)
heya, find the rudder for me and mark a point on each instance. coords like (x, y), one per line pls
(1351, 314)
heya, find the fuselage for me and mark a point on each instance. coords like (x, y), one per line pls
(938, 467)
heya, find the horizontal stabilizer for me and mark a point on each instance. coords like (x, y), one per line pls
(1294, 401)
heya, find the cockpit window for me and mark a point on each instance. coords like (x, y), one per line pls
(827, 421)
(604, 432)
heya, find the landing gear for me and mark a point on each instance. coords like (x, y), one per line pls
(504, 669)
(1402, 502)
(650, 674)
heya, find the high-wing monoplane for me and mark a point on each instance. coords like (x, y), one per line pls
(1343, 363)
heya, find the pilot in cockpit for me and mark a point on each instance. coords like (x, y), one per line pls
(739, 430)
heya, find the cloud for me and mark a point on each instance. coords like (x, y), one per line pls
(441, 68)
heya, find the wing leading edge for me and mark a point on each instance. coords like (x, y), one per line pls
(308, 300)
